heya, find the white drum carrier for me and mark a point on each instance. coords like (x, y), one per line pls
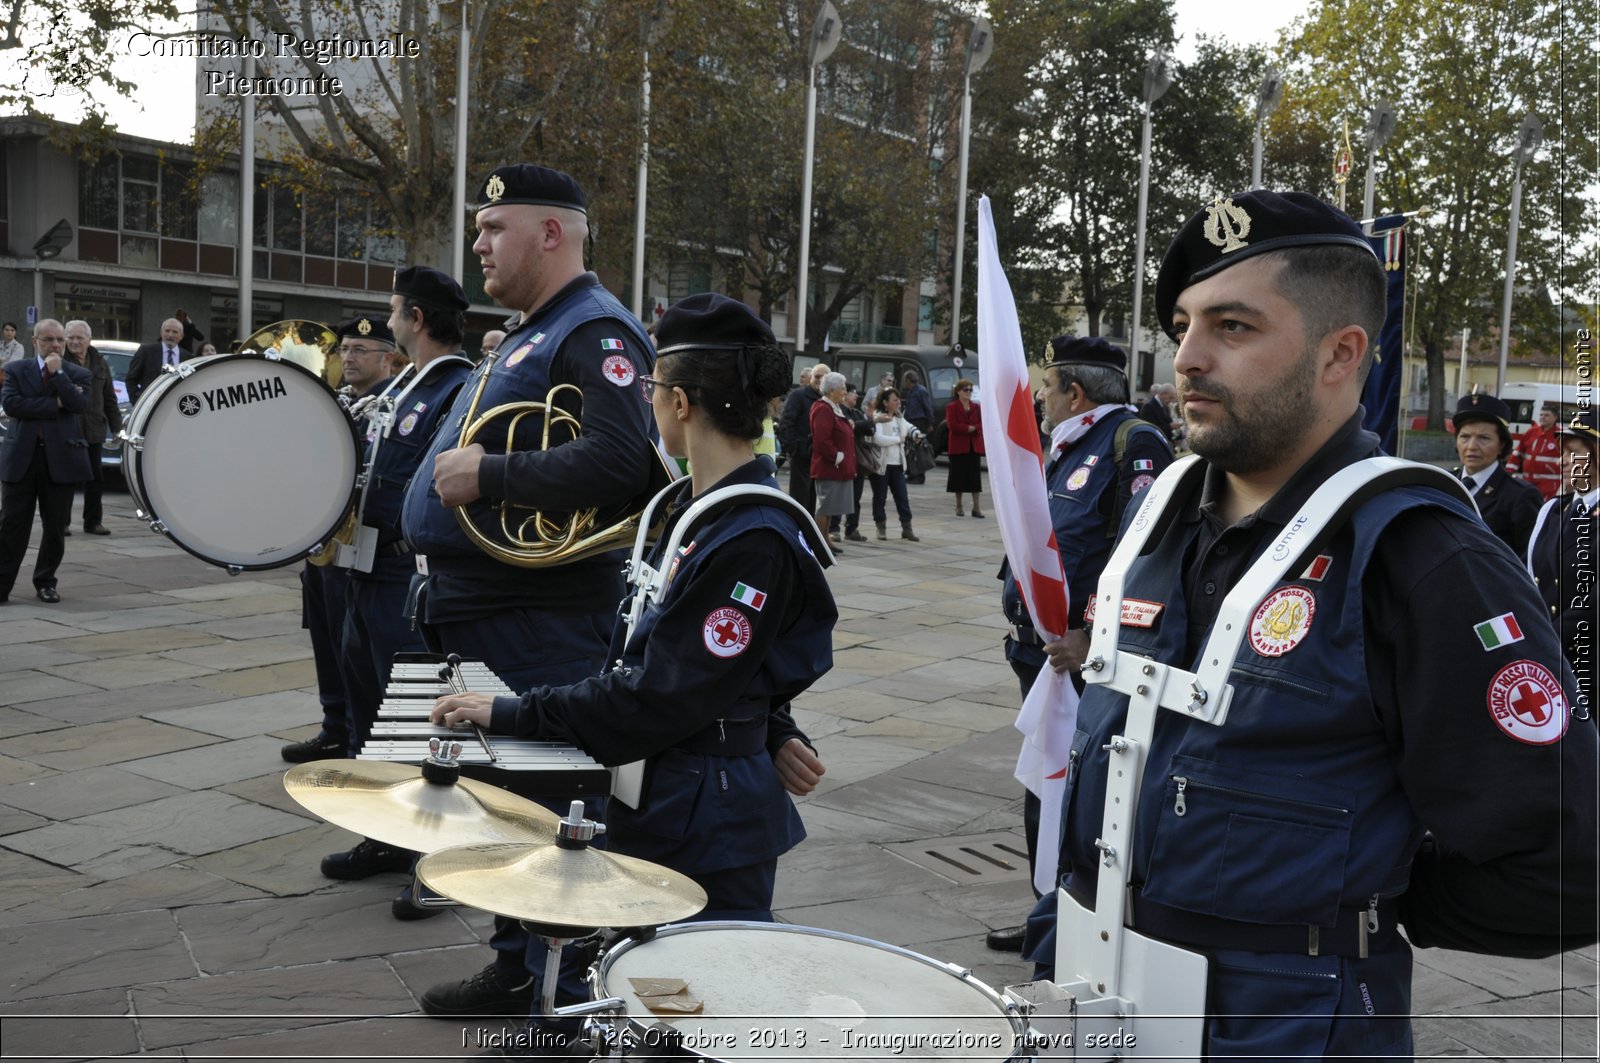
(245, 461)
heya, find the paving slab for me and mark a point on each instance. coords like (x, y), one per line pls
(174, 885)
(126, 703)
(287, 865)
(14, 770)
(250, 605)
(151, 617)
(27, 879)
(850, 760)
(31, 684)
(268, 790)
(96, 952)
(102, 743)
(139, 670)
(250, 935)
(909, 731)
(898, 918)
(241, 717)
(136, 640)
(290, 675)
(927, 809)
(15, 722)
(14, 820)
(256, 1002)
(234, 587)
(971, 716)
(823, 874)
(25, 624)
(88, 1025)
(38, 655)
(253, 626)
(71, 794)
(213, 764)
(245, 653)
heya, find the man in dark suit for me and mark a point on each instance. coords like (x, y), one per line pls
(151, 358)
(1157, 409)
(44, 458)
(1483, 442)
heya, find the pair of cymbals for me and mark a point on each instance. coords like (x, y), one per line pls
(509, 864)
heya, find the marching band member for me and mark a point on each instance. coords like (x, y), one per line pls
(426, 319)
(1387, 701)
(1483, 441)
(701, 683)
(550, 624)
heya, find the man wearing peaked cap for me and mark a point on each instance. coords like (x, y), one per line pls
(1100, 458)
(1407, 653)
(1483, 441)
(1561, 557)
(550, 624)
(430, 287)
(366, 351)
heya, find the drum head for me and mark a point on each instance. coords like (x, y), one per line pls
(246, 462)
(772, 991)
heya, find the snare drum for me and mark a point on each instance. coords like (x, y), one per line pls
(788, 992)
(244, 461)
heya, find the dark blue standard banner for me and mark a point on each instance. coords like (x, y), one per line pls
(1381, 396)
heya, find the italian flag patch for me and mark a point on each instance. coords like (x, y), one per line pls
(1499, 631)
(749, 596)
(611, 345)
(1144, 465)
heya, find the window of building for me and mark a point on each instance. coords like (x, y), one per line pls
(687, 278)
(925, 312)
(322, 223)
(285, 219)
(219, 208)
(352, 235)
(97, 193)
(141, 195)
(263, 216)
(179, 209)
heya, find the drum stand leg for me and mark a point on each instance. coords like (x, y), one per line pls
(552, 971)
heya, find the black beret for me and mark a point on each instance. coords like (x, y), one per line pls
(429, 286)
(1482, 408)
(710, 322)
(1585, 424)
(366, 327)
(1089, 350)
(526, 182)
(1244, 224)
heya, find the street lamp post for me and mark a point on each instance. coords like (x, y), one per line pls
(1529, 136)
(825, 34)
(651, 34)
(458, 231)
(980, 46)
(247, 192)
(1380, 127)
(1267, 99)
(1157, 79)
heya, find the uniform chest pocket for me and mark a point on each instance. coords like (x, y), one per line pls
(1247, 846)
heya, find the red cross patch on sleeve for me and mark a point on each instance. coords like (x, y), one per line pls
(726, 632)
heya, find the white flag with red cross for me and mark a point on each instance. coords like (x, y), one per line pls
(1022, 509)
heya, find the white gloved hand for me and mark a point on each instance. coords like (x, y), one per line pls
(838, 458)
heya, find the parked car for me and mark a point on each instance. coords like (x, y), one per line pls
(118, 355)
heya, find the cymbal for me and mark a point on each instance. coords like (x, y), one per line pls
(566, 887)
(394, 804)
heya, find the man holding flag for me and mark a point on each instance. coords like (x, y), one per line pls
(1101, 455)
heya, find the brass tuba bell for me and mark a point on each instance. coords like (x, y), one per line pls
(531, 538)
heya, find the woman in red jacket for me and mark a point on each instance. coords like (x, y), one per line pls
(833, 455)
(965, 420)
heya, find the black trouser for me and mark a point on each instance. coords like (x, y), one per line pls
(18, 501)
(852, 523)
(94, 490)
(322, 607)
(800, 488)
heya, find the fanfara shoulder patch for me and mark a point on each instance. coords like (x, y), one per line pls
(1136, 612)
(618, 369)
(1079, 477)
(408, 422)
(519, 354)
(726, 632)
(1528, 703)
(1282, 621)
(1140, 483)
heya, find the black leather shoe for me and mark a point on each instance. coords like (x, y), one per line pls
(404, 906)
(322, 747)
(97, 529)
(367, 859)
(1006, 939)
(66, 533)
(48, 595)
(492, 991)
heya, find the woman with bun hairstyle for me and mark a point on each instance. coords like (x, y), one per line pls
(702, 683)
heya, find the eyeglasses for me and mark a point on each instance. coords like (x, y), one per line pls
(360, 352)
(648, 383)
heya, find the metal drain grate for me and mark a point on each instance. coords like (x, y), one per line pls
(970, 858)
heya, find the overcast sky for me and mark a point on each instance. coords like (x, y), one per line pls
(163, 105)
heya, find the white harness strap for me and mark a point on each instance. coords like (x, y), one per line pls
(627, 781)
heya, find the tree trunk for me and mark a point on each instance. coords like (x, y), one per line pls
(1434, 356)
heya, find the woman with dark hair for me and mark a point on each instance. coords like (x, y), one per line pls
(890, 434)
(965, 419)
(1483, 442)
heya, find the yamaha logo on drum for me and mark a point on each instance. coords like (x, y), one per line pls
(188, 405)
(241, 394)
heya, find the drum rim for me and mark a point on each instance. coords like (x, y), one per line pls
(138, 471)
(604, 963)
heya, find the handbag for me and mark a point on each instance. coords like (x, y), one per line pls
(869, 459)
(919, 457)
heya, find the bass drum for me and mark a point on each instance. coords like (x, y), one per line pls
(246, 462)
(770, 991)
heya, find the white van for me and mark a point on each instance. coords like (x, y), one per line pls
(1526, 399)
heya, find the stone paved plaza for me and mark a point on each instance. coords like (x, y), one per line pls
(161, 896)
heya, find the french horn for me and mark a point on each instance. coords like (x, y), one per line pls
(532, 538)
